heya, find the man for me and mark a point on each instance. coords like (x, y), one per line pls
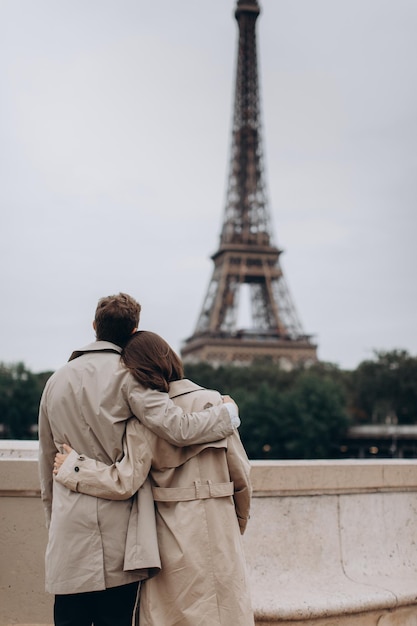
(86, 404)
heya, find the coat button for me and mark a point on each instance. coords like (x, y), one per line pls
(76, 468)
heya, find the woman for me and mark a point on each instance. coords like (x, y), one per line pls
(202, 498)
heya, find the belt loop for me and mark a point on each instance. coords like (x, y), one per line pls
(209, 482)
(197, 485)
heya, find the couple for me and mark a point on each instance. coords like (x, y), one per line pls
(100, 547)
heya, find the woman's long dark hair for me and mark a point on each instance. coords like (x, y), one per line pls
(152, 361)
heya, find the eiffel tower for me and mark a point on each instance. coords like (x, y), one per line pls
(246, 258)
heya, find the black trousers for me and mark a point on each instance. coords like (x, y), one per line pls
(111, 607)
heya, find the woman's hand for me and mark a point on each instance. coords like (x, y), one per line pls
(228, 399)
(60, 458)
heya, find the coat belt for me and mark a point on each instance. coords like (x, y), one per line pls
(200, 491)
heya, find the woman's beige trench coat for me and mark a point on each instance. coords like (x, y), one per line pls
(202, 496)
(87, 404)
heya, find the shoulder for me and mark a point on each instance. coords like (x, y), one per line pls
(188, 394)
(183, 386)
(59, 374)
(186, 386)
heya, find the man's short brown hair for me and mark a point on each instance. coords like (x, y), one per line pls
(116, 318)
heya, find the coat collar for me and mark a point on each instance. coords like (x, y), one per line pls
(96, 346)
(181, 387)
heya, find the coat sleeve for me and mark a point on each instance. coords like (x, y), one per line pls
(112, 482)
(239, 470)
(47, 451)
(158, 413)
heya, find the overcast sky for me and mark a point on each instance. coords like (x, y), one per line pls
(115, 125)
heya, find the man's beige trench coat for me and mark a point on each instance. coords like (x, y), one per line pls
(86, 404)
(202, 496)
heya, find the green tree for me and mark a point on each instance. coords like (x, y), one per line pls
(20, 392)
(297, 414)
(261, 429)
(229, 378)
(385, 389)
(304, 422)
(316, 409)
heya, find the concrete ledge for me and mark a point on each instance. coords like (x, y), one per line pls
(18, 449)
(292, 478)
(19, 478)
(328, 557)
(329, 543)
(334, 542)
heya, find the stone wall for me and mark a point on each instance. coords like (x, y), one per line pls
(333, 543)
(329, 543)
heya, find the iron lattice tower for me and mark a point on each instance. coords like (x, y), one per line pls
(247, 255)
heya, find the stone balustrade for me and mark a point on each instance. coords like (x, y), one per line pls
(329, 543)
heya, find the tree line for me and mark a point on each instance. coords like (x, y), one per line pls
(299, 414)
